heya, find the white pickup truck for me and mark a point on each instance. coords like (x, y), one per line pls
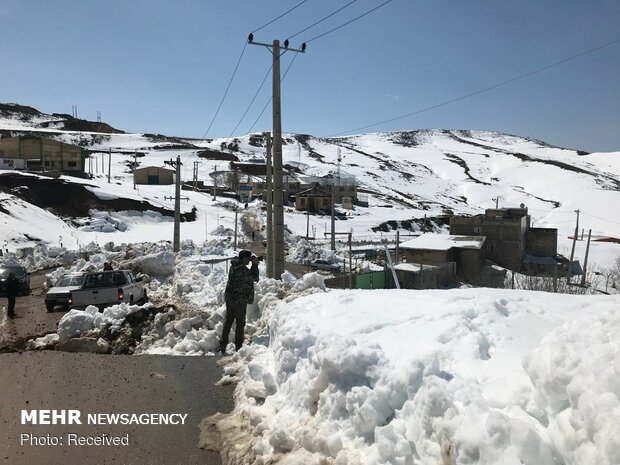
(104, 288)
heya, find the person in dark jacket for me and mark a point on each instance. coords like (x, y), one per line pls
(12, 290)
(239, 293)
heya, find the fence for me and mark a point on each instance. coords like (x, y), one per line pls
(372, 280)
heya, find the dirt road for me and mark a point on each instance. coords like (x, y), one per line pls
(108, 384)
(32, 319)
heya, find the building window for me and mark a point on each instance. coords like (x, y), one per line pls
(72, 164)
(325, 202)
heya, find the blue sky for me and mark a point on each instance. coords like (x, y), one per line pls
(162, 66)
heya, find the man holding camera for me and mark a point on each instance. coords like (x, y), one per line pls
(239, 293)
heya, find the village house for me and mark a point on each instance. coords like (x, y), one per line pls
(154, 175)
(468, 253)
(511, 239)
(313, 200)
(39, 154)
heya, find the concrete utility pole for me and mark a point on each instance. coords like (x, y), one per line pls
(236, 223)
(195, 175)
(585, 261)
(307, 224)
(572, 252)
(176, 242)
(135, 165)
(109, 164)
(278, 201)
(269, 251)
(333, 242)
(215, 185)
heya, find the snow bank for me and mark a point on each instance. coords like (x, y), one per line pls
(77, 323)
(576, 371)
(407, 377)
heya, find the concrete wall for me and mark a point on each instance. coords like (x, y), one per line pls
(542, 242)
(469, 263)
(54, 155)
(432, 277)
(12, 164)
(426, 257)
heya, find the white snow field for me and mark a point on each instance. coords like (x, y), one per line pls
(470, 376)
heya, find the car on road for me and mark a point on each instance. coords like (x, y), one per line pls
(105, 288)
(22, 276)
(324, 265)
(60, 293)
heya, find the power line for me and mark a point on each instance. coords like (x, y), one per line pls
(225, 92)
(251, 103)
(326, 17)
(270, 98)
(278, 17)
(188, 157)
(486, 89)
(349, 22)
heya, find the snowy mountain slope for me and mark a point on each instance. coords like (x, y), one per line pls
(406, 176)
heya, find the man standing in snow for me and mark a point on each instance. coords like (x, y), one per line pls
(12, 289)
(239, 293)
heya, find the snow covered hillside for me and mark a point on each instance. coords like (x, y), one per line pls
(406, 176)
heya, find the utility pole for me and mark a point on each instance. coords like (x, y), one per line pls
(195, 176)
(496, 202)
(269, 173)
(585, 261)
(236, 223)
(176, 242)
(350, 262)
(109, 164)
(572, 252)
(215, 185)
(396, 255)
(338, 178)
(135, 165)
(333, 244)
(278, 201)
(307, 224)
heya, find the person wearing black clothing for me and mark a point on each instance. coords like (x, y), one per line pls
(239, 293)
(12, 290)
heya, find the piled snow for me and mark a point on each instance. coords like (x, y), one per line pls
(576, 370)
(77, 323)
(302, 251)
(202, 289)
(103, 222)
(413, 377)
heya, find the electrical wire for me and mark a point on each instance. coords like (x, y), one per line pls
(349, 22)
(486, 89)
(321, 20)
(270, 98)
(251, 103)
(225, 92)
(278, 17)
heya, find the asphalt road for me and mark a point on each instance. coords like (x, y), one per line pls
(108, 384)
(32, 319)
